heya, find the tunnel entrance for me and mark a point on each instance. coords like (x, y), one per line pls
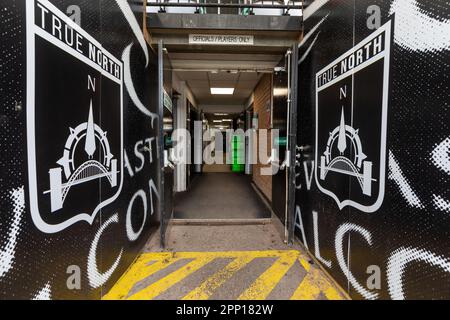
(226, 136)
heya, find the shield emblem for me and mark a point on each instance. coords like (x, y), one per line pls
(351, 123)
(74, 120)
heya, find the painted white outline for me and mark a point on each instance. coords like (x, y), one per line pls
(33, 31)
(386, 28)
(312, 8)
(134, 25)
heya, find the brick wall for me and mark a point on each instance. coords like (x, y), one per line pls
(263, 99)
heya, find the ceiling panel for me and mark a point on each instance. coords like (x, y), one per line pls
(192, 75)
(198, 83)
(245, 93)
(230, 109)
(231, 100)
(223, 84)
(201, 92)
(244, 84)
(223, 76)
(246, 76)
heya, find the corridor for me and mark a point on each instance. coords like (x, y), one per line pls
(184, 149)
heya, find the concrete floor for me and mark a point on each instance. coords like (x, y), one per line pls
(225, 263)
(220, 196)
(221, 238)
(215, 167)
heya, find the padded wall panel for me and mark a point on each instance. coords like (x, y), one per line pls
(38, 262)
(405, 236)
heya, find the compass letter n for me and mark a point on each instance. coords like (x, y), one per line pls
(91, 83)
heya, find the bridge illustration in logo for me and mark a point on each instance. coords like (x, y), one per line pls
(89, 170)
(341, 164)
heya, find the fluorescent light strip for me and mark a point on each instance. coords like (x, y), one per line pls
(222, 90)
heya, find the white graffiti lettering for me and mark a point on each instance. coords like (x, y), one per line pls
(406, 190)
(338, 242)
(398, 261)
(316, 240)
(299, 224)
(95, 277)
(8, 251)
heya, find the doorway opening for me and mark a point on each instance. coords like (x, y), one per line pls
(235, 109)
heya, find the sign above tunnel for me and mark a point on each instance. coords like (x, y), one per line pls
(224, 39)
(351, 123)
(74, 129)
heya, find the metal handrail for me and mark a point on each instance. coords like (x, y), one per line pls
(252, 5)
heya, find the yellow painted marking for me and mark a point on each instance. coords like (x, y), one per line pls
(137, 272)
(156, 288)
(265, 283)
(307, 290)
(206, 289)
(304, 264)
(312, 285)
(332, 294)
(326, 287)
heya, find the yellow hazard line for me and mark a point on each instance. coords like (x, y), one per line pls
(207, 288)
(313, 284)
(137, 272)
(148, 264)
(267, 281)
(168, 281)
(307, 290)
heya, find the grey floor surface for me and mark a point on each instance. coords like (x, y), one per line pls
(220, 196)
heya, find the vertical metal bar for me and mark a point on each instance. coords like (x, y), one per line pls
(292, 142)
(160, 134)
(287, 154)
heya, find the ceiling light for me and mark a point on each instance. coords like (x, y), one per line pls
(220, 114)
(222, 90)
(217, 121)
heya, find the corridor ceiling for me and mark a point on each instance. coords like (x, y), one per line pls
(201, 71)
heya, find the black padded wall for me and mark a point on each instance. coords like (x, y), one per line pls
(78, 131)
(382, 234)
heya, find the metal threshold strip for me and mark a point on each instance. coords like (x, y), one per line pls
(221, 222)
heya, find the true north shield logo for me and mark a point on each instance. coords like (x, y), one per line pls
(351, 121)
(74, 120)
